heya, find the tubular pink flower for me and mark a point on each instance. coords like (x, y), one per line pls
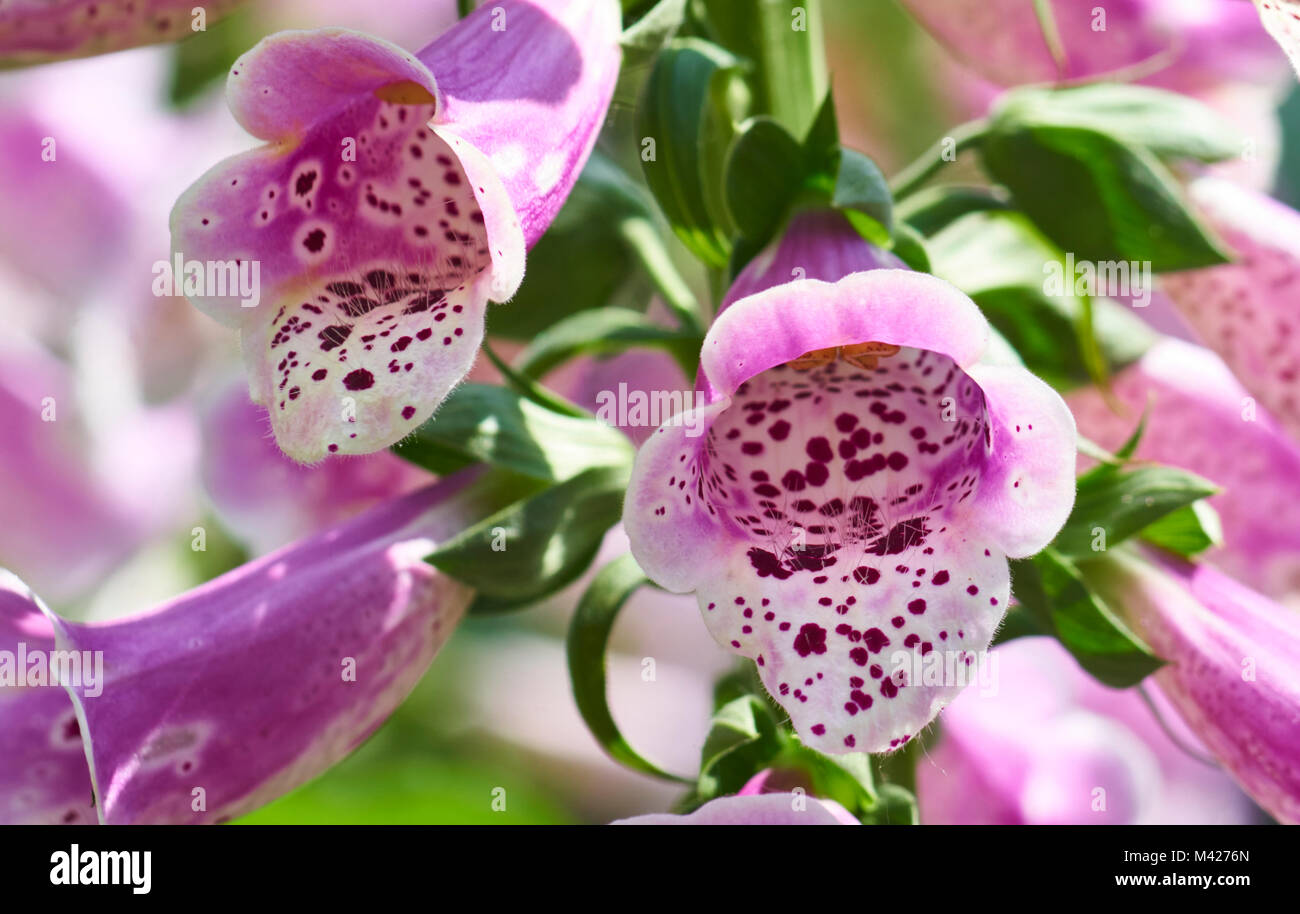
(1199, 418)
(35, 31)
(1234, 666)
(1247, 310)
(834, 520)
(389, 206)
(1187, 46)
(44, 779)
(765, 809)
(234, 693)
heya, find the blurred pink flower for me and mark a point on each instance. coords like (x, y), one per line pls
(1051, 745)
(1189, 45)
(78, 497)
(268, 500)
(1201, 419)
(1248, 310)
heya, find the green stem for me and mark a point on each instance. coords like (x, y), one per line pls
(964, 137)
(464, 8)
(644, 240)
(532, 389)
(1051, 34)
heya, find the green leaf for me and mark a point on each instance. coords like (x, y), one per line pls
(537, 545)
(1098, 198)
(847, 779)
(1188, 531)
(583, 261)
(821, 147)
(1165, 123)
(533, 389)
(860, 187)
(1000, 260)
(654, 29)
(1051, 589)
(764, 174)
(203, 59)
(934, 208)
(783, 39)
(606, 331)
(1112, 505)
(895, 806)
(743, 739)
(587, 643)
(641, 41)
(481, 423)
(686, 120)
(909, 246)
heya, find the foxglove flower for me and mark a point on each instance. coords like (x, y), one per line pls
(34, 31)
(1051, 745)
(1198, 417)
(395, 197)
(234, 693)
(1234, 666)
(763, 809)
(1248, 310)
(1189, 47)
(845, 499)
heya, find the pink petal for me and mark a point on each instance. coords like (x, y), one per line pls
(63, 529)
(822, 516)
(1247, 310)
(266, 499)
(1027, 489)
(1282, 19)
(527, 83)
(768, 809)
(1188, 46)
(1198, 420)
(1035, 742)
(377, 271)
(45, 778)
(242, 686)
(33, 31)
(1234, 670)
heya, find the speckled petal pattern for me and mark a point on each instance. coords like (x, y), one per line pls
(389, 207)
(846, 522)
